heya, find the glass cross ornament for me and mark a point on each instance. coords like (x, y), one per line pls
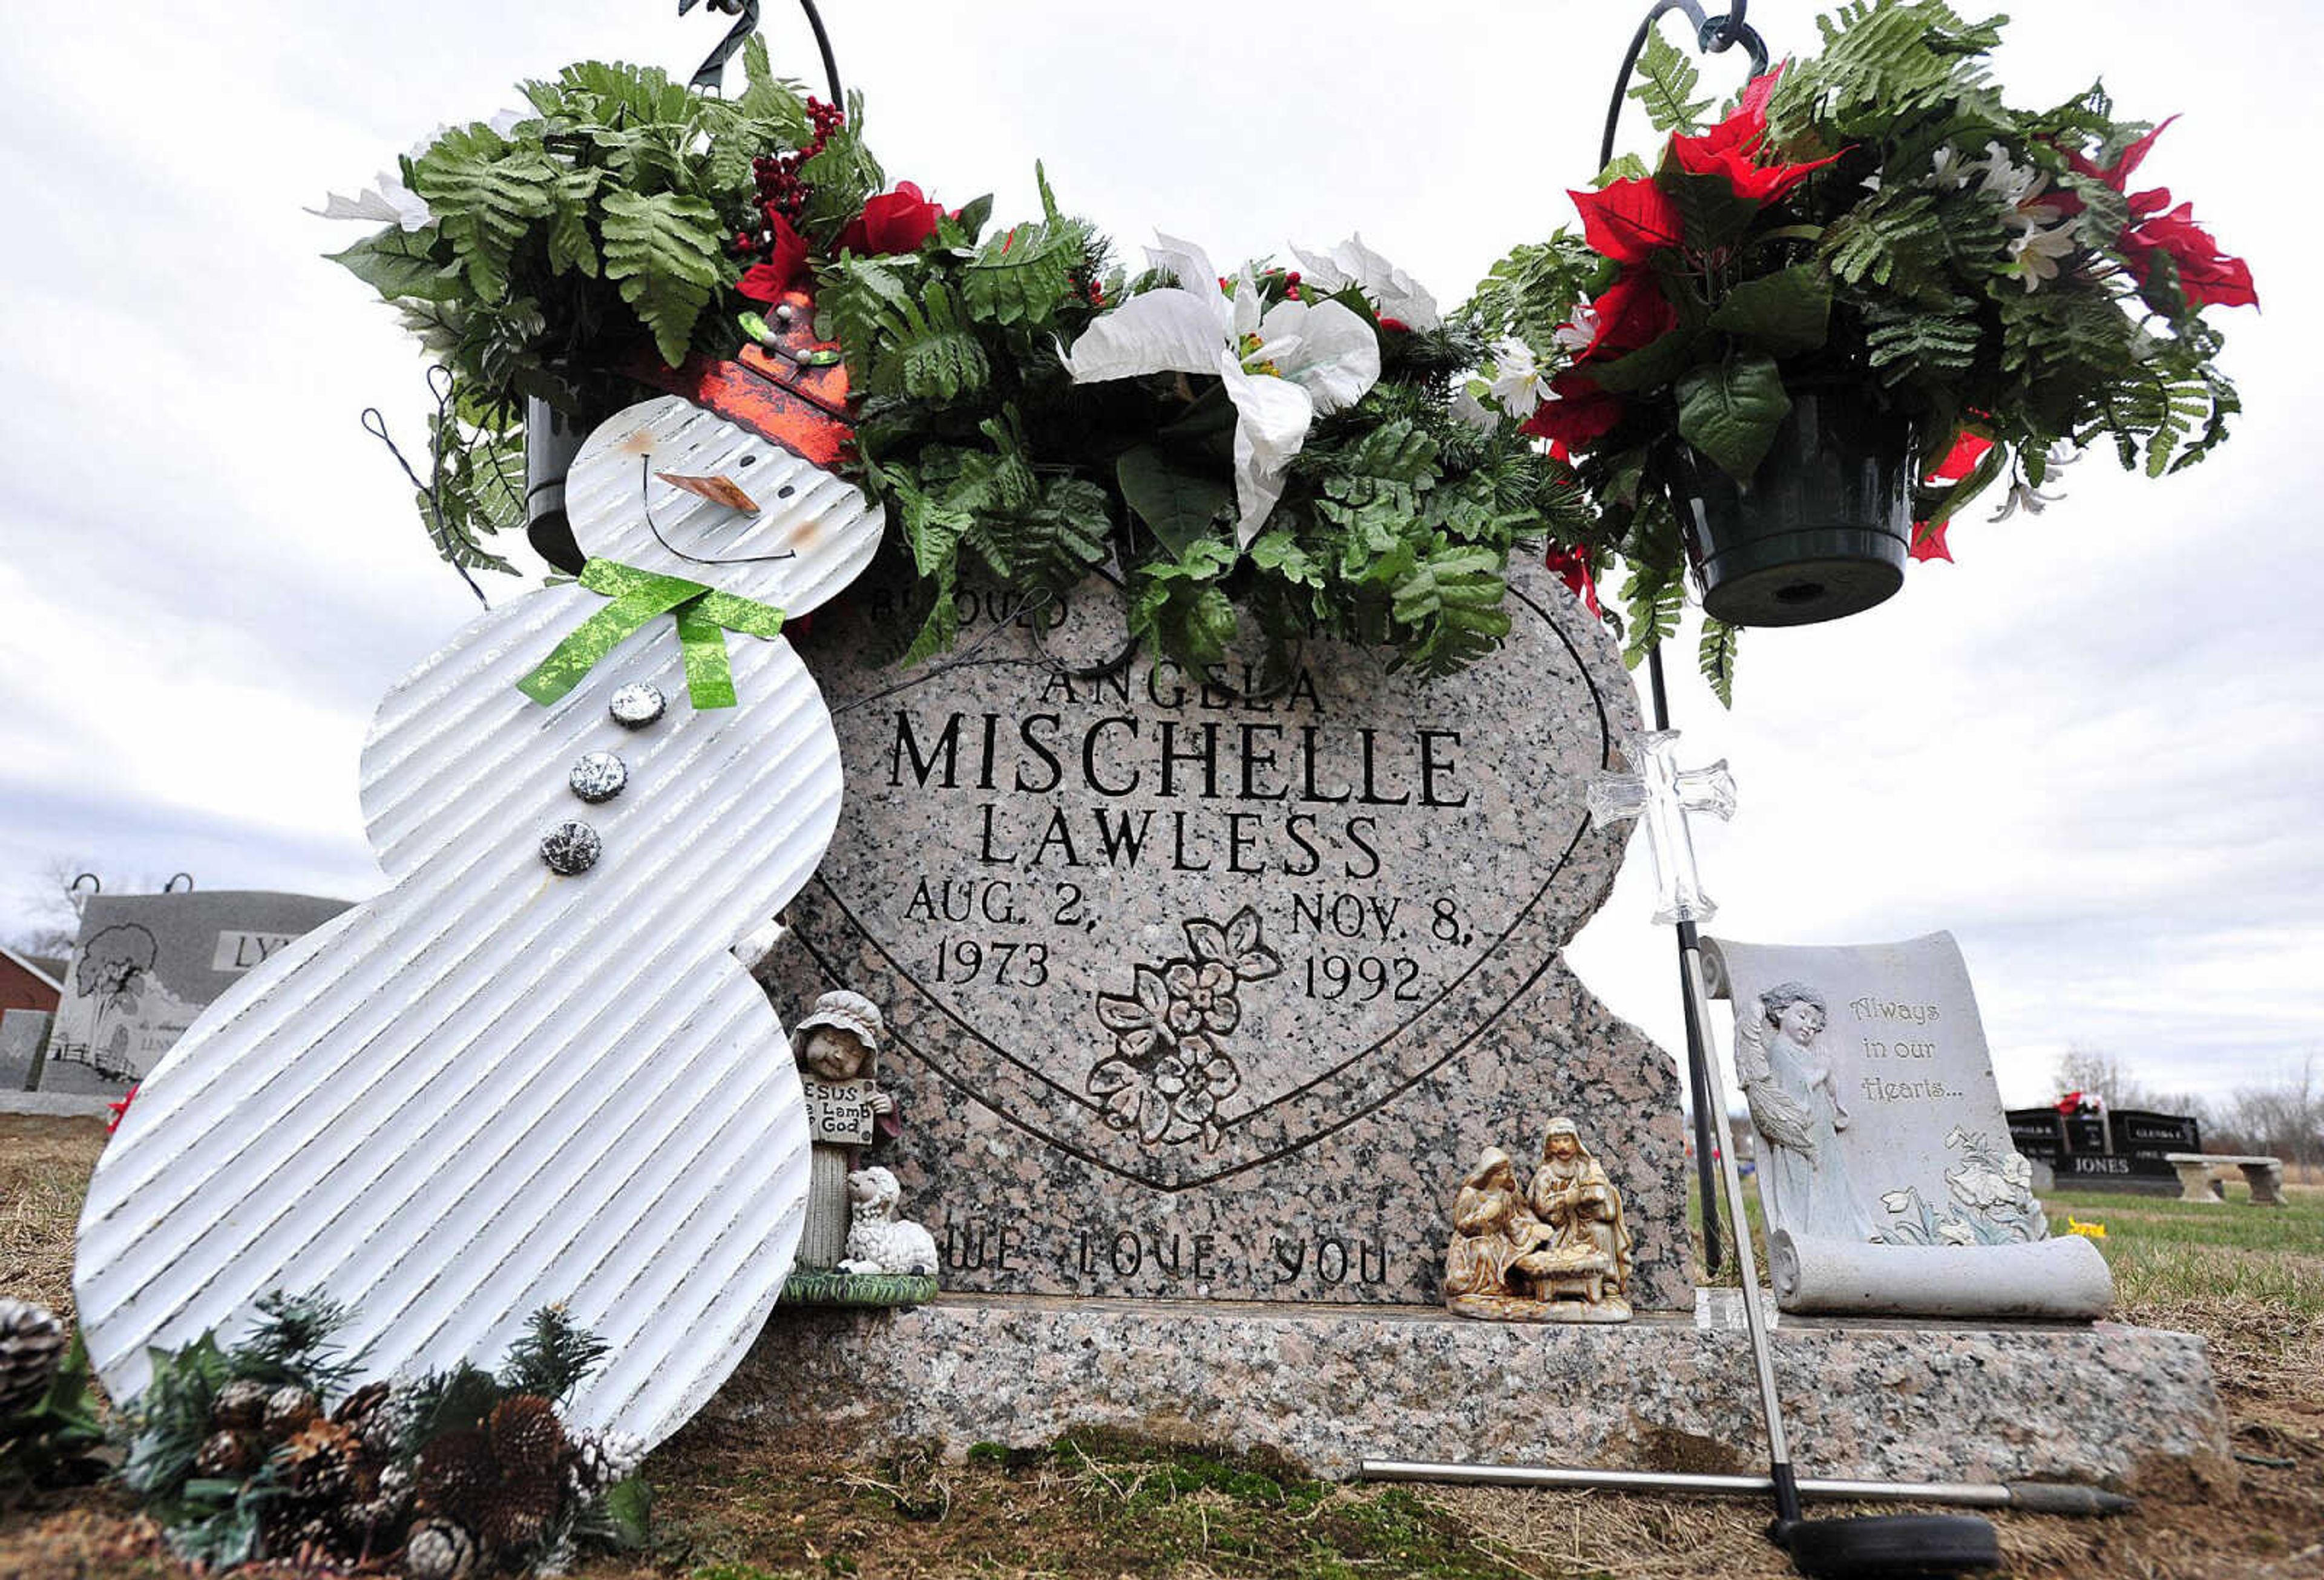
(1660, 794)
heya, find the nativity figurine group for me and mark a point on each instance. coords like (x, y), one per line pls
(1552, 1249)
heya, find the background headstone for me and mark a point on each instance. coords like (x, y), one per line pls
(23, 1032)
(1195, 993)
(1944, 1218)
(146, 965)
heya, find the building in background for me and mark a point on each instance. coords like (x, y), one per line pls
(27, 982)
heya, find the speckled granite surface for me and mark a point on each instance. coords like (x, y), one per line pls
(1329, 1387)
(1343, 904)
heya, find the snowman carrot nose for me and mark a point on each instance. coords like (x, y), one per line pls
(645, 471)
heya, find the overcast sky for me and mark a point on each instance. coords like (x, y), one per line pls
(2088, 748)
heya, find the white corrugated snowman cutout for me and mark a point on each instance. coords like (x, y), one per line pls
(496, 1085)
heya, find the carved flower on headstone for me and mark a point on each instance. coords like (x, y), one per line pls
(1169, 1069)
(1202, 998)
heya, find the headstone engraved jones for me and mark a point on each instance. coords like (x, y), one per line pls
(1199, 993)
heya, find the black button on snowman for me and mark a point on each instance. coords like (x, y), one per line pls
(572, 847)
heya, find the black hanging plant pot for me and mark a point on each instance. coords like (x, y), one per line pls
(552, 438)
(1821, 530)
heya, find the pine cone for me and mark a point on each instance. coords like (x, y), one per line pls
(240, 1407)
(603, 1461)
(356, 1411)
(296, 1532)
(376, 1505)
(288, 1408)
(230, 1455)
(32, 1344)
(527, 1440)
(437, 1549)
(456, 1473)
(320, 1460)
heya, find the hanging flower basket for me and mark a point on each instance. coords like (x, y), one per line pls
(1866, 257)
(1822, 528)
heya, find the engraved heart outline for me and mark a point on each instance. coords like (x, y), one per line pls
(926, 1027)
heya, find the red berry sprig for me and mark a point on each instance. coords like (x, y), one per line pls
(781, 192)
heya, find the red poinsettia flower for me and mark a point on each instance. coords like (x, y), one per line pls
(1629, 220)
(767, 282)
(892, 222)
(1577, 413)
(1730, 148)
(2209, 276)
(2118, 174)
(1968, 450)
(1929, 541)
(1572, 568)
(1632, 312)
(1761, 184)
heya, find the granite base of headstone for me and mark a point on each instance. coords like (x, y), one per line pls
(1886, 1165)
(1324, 1388)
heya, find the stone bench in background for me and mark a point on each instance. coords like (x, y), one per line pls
(2197, 1183)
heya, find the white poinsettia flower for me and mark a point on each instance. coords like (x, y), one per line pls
(386, 202)
(1395, 293)
(1578, 333)
(1284, 366)
(1518, 383)
(1468, 409)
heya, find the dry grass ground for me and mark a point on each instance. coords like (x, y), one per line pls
(2252, 1281)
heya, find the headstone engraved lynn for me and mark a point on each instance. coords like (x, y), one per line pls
(1199, 994)
(1885, 1162)
(146, 965)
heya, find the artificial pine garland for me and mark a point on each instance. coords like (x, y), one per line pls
(260, 1451)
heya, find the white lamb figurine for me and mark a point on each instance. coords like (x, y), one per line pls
(877, 1241)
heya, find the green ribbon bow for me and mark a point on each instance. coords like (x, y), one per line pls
(704, 617)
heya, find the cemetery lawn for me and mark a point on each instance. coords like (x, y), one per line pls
(2250, 1280)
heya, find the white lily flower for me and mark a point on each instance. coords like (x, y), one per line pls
(1956, 1232)
(2012, 183)
(2037, 253)
(1283, 366)
(1518, 383)
(1952, 169)
(1395, 293)
(1578, 333)
(1896, 1201)
(2023, 496)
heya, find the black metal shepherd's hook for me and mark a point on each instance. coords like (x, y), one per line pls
(1712, 35)
(712, 70)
